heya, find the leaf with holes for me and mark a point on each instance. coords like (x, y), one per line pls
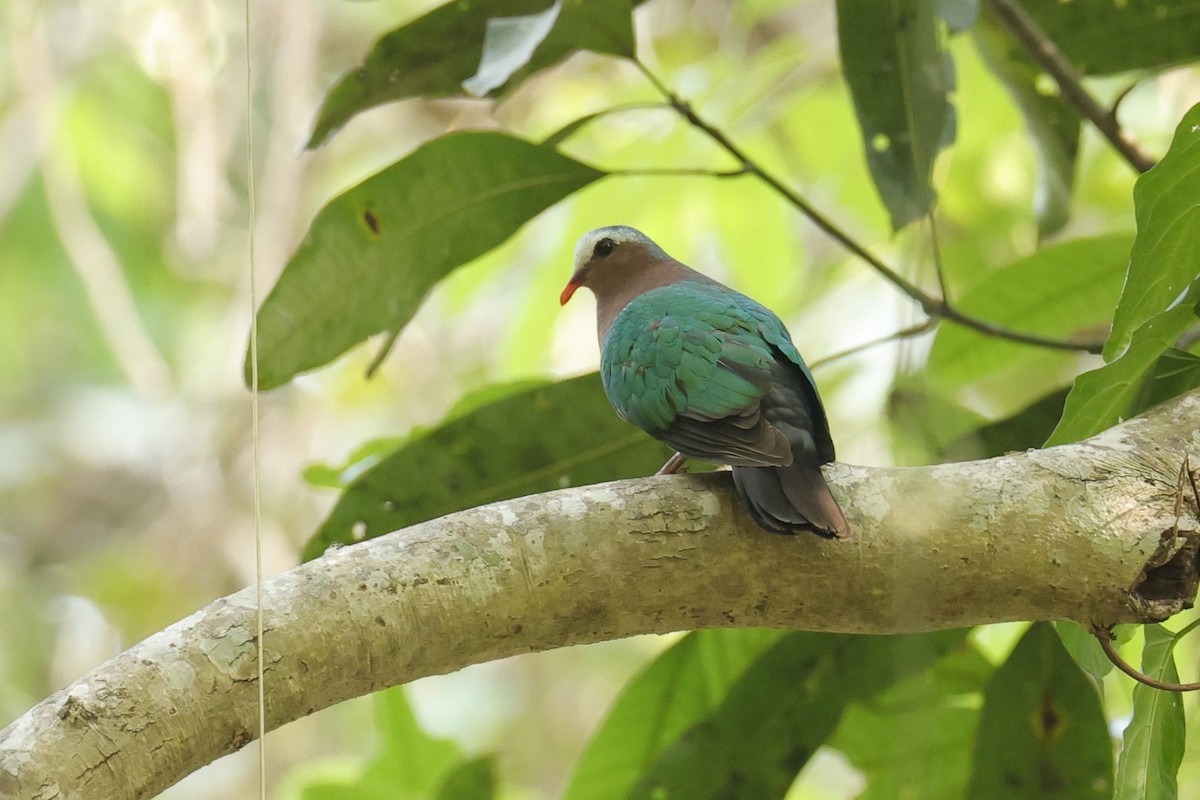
(900, 77)
(374, 251)
(553, 436)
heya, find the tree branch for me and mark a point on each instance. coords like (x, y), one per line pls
(1085, 532)
(938, 307)
(1045, 52)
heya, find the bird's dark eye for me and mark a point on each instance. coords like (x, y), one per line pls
(604, 247)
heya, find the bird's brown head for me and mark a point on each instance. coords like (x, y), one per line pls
(611, 261)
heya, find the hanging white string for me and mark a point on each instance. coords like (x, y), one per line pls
(254, 433)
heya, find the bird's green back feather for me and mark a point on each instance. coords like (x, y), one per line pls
(693, 348)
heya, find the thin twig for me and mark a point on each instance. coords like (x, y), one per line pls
(681, 171)
(932, 306)
(935, 247)
(1045, 52)
(386, 348)
(573, 127)
(903, 333)
(1105, 638)
(91, 254)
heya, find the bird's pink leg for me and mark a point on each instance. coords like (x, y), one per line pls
(673, 465)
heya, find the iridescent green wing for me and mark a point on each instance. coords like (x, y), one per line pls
(689, 364)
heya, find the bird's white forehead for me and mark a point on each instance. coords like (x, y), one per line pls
(620, 234)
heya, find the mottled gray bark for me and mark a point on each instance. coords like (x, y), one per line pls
(1087, 532)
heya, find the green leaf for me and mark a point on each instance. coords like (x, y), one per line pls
(1042, 732)
(469, 41)
(1066, 290)
(1028, 428)
(680, 688)
(921, 423)
(409, 760)
(958, 14)
(407, 763)
(373, 252)
(1175, 372)
(1154, 740)
(1053, 124)
(781, 710)
(470, 780)
(1105, 396)
(371, 453)
(1084, 648)
(551, 437)
(914, 740)
(1166, 253)
(899, 76)
(508, 45)
(1101, 37)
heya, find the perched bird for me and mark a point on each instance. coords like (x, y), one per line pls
(711, 373)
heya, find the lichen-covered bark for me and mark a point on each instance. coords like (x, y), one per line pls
(1086, 532)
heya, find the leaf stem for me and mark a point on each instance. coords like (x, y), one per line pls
(934, 306)
(1045, 52)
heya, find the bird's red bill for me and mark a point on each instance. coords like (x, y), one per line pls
(567, 292)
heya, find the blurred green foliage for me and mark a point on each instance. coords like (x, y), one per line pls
(124, 431)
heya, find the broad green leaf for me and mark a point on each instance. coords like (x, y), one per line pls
(1175, 372)
(363, 458)
(921, 423)
(558, 435)
(1105, 396)
(1166, 253)
(914, 740)
(1066, 290)
(371, 453)
(781, 710)
(409, 760)
(680, 688)
(407, 763)
(1028, 428)
(508, 45)
(1154, 740)
(436, 54)
(900, 77)
(470, 780)
(373, 252)
(958, 14)
(1084, 648)
(1101, 37)
(1042, 732)
(1160, 297)
(1053, 125)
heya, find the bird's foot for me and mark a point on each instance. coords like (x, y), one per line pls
(674, 464)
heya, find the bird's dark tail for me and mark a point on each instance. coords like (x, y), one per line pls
(790, 499)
